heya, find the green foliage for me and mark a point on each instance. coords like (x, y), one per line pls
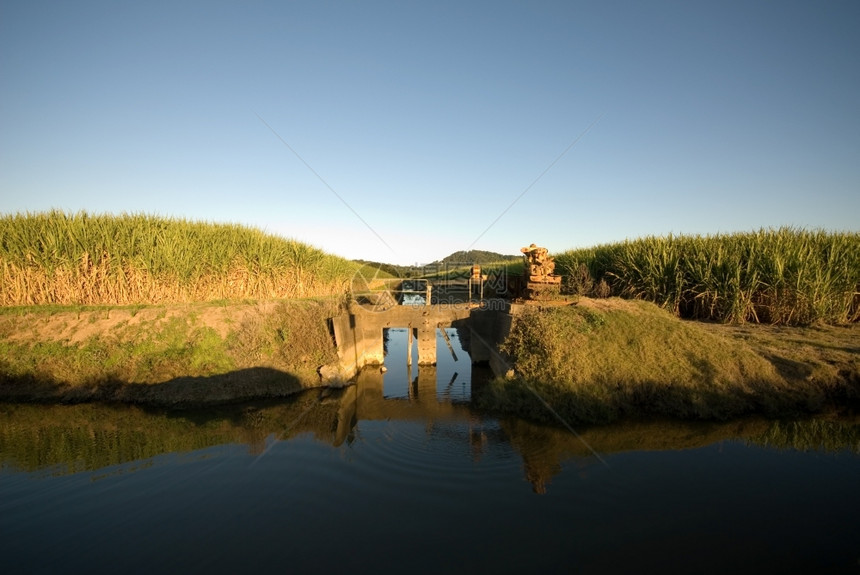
(811, 435)
(71, 439)
(381, 270)
(783, 276)
(152, 353)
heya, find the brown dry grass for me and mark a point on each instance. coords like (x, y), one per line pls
(98, 284)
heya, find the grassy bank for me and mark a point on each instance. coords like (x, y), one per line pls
(171, 354)
(784, 276)
(59, 258)
(604, 359)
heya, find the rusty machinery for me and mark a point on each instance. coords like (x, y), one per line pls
(541, 282)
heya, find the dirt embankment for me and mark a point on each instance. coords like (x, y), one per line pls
(169, 354)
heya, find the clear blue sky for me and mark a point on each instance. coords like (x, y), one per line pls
(429, 119)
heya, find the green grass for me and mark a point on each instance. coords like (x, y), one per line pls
(497, 273)
(154, 353)
(60, 258)
(782, 276)
(601, 360)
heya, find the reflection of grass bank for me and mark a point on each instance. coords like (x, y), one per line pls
(163, 354)
(604, 359)
(811, 435)
(544, 449)
(85, 437)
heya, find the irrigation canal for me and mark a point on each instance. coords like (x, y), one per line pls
(403, 472)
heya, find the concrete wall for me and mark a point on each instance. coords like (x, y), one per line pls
(488, 328)
(358, 334)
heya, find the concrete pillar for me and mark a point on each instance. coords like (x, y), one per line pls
(410, 334)
(480, 335)
(427, 343)
(374, 351)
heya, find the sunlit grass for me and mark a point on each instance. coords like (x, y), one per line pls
(604, 359)
(781, 276)
(59, 258)
(86, 352)
(607, 359)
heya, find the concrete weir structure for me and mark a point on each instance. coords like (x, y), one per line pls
(358, 333)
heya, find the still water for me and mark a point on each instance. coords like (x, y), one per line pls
(402, 474)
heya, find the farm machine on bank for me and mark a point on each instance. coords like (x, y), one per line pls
(539, 281)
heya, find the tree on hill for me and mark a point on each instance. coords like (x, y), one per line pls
(477, 257)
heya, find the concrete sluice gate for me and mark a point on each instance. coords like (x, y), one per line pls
(359, 335)
(449, 380)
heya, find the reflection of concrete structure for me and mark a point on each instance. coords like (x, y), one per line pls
(422, 404)
(541, 448)
(366, 401)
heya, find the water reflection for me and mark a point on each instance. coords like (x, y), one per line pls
(66, 439)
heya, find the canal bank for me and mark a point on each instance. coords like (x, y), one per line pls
(593, 360)
(172, 354)
(599, 360)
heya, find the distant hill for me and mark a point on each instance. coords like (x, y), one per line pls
(460, 258)
(477, 257)
(387, 269)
